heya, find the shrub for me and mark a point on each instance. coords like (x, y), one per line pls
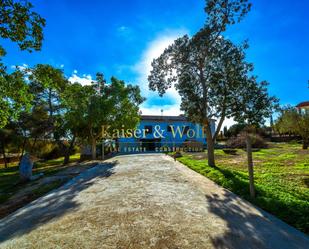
(55, 152)
(230, 151)
(240, 142)
(40, 148)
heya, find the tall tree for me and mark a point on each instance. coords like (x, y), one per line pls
(206, 79)
(46, 84)
(205, 69)
(114, 105)
(76, 99)
(253, 107)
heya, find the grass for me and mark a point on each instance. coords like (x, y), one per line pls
(9, 177)
(47, 187)
(281, 179)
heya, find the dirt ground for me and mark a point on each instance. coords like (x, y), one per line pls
(144, 201)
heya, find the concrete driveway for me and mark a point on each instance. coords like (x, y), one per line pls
(144, 201)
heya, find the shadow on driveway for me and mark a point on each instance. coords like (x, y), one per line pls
(249, 230)
(53, 205)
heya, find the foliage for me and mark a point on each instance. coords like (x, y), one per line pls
(46, 84)
(280, 178)
(234, 130)
(240, 141)
(295, 122)
(35, 123)
(25, 27)
(114, 105)
(76, 100)
(255, 104)
(21, 25)
(14, 96)
(207, 69)
(48, 150)
(62, 113)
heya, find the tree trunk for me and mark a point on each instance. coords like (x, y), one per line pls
(23, 149)
(305, 144)
(68, 151)
(250, 165)
(210, 145)
(4, 155)
(94, 148)
(33, 144)
(210, 151)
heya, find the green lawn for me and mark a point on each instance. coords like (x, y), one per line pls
(9, 177)
(281, 179)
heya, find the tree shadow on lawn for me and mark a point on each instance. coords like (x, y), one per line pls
(53, 205)
(293, 211)
(246, 229)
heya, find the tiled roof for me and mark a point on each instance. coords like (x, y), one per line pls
(303, 104)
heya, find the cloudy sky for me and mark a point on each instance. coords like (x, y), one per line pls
(121, 38)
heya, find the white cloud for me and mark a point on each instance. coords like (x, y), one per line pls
(62, 66)
(84, 80)
(143, 68)
(22, 67)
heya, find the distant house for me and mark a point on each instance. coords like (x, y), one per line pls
(155, 132)
(303, 106)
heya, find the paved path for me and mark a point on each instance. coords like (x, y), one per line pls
(144, 201)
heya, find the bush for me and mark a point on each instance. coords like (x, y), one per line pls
(47, 149)
(240, 142)
(230, 151)
(56, 152)
(40, 148)
(237, 129)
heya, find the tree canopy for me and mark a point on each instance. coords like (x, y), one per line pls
(294, 122)
(14, 96)
(114, 105)
(206, 69)
(20, 24)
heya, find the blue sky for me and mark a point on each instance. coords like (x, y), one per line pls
(122, 37)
